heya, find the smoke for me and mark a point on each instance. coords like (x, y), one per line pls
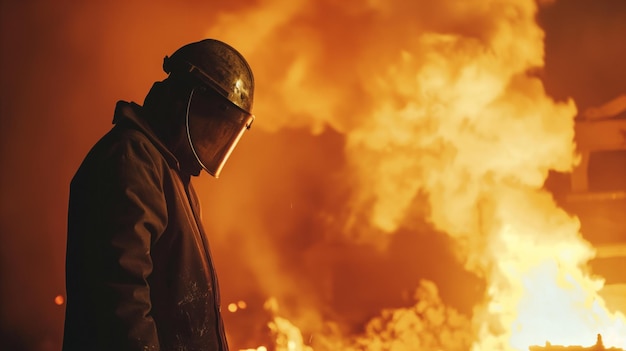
(420, 91)
(404, 81)
(442, 116)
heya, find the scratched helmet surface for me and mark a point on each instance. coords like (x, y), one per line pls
(219, 66)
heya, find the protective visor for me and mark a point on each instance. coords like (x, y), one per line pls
(214, 127)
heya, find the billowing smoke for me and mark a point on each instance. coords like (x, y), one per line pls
(443, 117)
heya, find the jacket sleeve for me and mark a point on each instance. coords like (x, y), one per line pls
(131, 215)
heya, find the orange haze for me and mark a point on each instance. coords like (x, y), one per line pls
(399, 153)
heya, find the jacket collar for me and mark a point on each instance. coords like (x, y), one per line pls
(132, 112)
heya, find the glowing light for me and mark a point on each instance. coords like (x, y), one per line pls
(59, 300)
(234, 307)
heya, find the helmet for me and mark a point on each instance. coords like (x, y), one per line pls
(220, 102)
(219, 66)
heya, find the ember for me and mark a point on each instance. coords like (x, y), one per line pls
(599, 346)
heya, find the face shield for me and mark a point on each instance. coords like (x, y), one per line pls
(214, 127)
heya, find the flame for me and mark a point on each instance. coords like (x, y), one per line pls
(445, 115)
(428, 325)
(287, 336)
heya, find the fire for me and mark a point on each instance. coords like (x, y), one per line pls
(454, 122)
(428, 325)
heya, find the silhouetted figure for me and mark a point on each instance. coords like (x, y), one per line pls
(139, 269)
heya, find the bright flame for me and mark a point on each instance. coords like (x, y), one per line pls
(288, 336)
(260, 348)
(582, 314)
(446, 113)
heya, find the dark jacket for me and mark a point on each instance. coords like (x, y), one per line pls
(139, 274)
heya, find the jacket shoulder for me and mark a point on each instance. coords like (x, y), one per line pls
(123, 150)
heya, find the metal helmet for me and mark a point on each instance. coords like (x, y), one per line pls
(219, 66)
(220, 102)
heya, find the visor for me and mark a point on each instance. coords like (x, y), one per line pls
(214, 127)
